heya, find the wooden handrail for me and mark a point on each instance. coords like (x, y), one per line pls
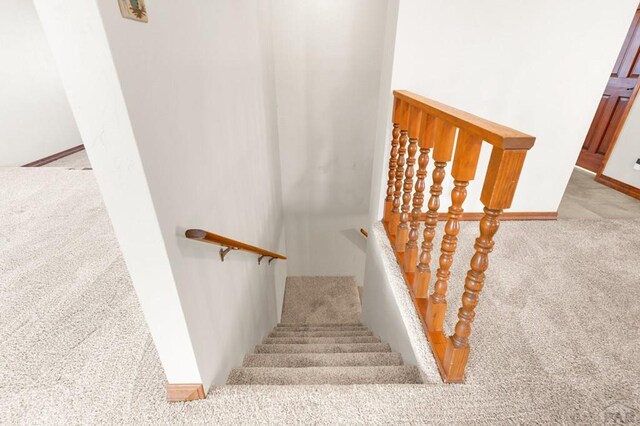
(496, 134)
(211, 238)
(448, 136)
(364, 232)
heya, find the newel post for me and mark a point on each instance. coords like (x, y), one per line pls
(497, 194)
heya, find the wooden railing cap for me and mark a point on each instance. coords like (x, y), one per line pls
(496, 134)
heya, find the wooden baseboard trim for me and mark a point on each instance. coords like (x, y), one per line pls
(184, 392)
(471, 216)
(625, 188)
(54, 157)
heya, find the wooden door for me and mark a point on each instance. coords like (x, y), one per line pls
(615, 102)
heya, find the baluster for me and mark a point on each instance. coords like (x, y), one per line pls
(497, 193)
(442, 136)
(394, 220)
(393, 159)
(465, 162)
(402, 235)
(425, 142)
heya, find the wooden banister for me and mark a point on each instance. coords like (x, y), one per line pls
(455, 136)
(496, 134)
(229, 244)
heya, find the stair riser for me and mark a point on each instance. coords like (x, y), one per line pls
(357, 324)
(324, 376)
(320, 333)
(290, 329)
(312, 340)
(324, 348)
(322, 360)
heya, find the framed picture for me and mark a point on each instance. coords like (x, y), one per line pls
(133, 9)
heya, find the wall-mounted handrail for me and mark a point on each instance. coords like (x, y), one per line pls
(229, 244)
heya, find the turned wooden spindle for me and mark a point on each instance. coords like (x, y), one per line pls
(394, 220)
(465, 162)
(402, 234)
(497, 194)
(393, 159)
(425, 143)
(442, 136)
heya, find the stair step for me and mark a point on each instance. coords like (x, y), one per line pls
(322, 348)
(335, 324)
(336, 328)
(324, 375)
(308, 340)
(293, 360)
(320, 333)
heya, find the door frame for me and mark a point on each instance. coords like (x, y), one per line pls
(603, 179)
(619, 128)
(600, 176)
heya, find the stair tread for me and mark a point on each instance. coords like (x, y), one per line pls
(298, 360)
(320, 333)
(324, 375)
(323, 347)
(336, 328)
(333, 324)
(331, 339)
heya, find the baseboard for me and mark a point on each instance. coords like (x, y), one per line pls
(612, 183)
(185, 392)
(54, 157)
(471, 216)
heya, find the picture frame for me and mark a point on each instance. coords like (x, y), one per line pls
(133, 9)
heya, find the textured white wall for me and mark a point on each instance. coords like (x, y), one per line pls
(537, 66)
(197, 81)
(326, 245)
(626, 150)
(35, 118)
(328, 64)
(80, 47)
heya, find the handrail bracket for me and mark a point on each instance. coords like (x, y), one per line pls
(224, 252)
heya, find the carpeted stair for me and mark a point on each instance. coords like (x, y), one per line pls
(301, 354)
(321, 341)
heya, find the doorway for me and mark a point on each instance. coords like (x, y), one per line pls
(615, 103)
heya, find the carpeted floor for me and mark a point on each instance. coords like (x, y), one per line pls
(77, 161)
(556, 338)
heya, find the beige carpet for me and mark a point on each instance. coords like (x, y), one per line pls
(321, 300)
(322, 342)
(556, 339)
(77, 161)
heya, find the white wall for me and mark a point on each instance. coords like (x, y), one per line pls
(35, 118)
(381, 309)
(537, 66)
(626, 151)
(328, 65)
(197, 81)
(326, 245)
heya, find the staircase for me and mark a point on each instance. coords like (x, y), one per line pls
(312, 350)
